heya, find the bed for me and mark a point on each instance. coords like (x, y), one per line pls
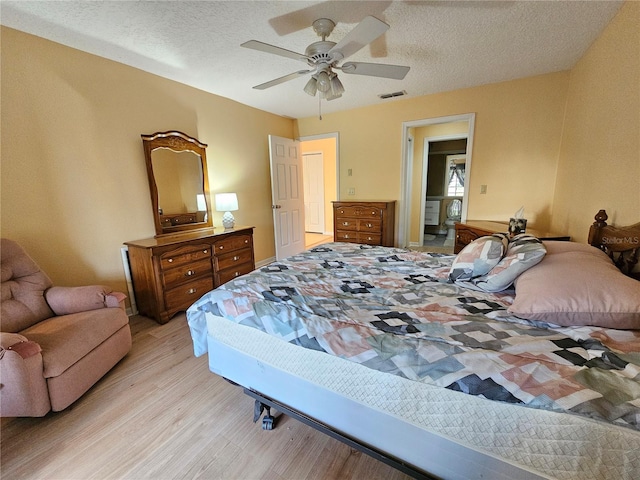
(413, 358)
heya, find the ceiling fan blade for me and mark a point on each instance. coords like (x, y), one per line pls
(396, 72)
(283, 52)
(280, 80)
(363, 34)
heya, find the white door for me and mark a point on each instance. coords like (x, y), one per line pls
(287, 196)
(313, 168)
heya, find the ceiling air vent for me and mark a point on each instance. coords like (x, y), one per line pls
(384, 96)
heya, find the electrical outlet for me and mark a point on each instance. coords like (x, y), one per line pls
(349, 172)
(483, 189)
(352, 191)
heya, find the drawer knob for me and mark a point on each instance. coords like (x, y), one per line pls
(369, 238)
(236, 274)
(189, 273)
(205, 251)
(370, 225)
(345, 223)
(191, 291)
(341, 211)
(246, 241)
(221, 247)
(373, 213)
(236, 258)
(170, 260)
(346, 236)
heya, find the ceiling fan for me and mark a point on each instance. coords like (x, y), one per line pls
(325, 56)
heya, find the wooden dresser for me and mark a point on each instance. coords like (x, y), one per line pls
(169, 273)
(467, 232)
(370, 222)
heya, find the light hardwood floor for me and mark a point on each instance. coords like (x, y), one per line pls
(160, 414)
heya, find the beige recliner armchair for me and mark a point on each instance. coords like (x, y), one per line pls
(55, 342)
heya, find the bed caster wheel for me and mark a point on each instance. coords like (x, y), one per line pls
(267, 422)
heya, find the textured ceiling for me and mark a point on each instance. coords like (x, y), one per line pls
(448, 44)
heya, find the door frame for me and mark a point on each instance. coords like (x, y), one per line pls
(425, 167)
(404, 223)
(336, 137)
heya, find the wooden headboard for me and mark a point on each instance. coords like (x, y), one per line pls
(622, 244)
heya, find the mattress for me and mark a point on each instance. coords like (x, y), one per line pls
(383, 332)
(443, 432)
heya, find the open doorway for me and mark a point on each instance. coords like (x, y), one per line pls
(443, 173)
(417, 136)
(321, 159)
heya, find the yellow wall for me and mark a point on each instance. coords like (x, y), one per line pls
(74, 181)
(74, 184)
(518, 127)
(328, 148)
(599, 165)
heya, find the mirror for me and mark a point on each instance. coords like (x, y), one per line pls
(178, 182)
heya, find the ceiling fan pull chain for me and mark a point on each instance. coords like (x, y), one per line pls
(320, 107)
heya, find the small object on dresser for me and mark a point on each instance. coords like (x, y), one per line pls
(227, 202)
(517, 226)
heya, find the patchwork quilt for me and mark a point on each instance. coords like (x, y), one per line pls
(395, 310)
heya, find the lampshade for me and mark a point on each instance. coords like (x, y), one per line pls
(337, 89)
(324, 82)
(226, 202)
(311, 87)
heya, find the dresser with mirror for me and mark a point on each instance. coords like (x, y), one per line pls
(187, 257)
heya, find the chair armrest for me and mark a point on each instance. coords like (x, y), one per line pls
(67, 300)
(9, 339)
(24, 388)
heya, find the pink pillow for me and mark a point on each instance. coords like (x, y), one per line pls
(577, 284)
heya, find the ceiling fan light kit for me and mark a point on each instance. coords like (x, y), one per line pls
(324, 56)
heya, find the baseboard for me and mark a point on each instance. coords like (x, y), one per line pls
(414, 244)
(266, 261)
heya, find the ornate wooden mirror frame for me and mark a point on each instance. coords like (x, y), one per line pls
(177, 171)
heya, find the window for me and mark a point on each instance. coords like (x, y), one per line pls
(455, 188)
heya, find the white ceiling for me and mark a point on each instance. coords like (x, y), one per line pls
(448, 44)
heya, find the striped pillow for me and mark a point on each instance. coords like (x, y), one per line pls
(478, 257)
(524, 252)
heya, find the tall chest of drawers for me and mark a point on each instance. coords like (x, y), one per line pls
(170, 273)
(369, 222)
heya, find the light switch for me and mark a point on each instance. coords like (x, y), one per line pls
(483, 189)
(349, 172)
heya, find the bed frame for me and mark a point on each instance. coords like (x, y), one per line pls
(622, 244)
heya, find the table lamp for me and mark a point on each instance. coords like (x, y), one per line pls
(227, 202)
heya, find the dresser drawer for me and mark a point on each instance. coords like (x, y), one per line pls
(346, 236)
(231, 243)
(359, 211)
(180, 298)
(228, 260)
(369, 239)
(230, 273)
(370, 225)
(465, 237)
(347, 224)
(432, 206)
(172, 277)
(432, 218)
(185, 255)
